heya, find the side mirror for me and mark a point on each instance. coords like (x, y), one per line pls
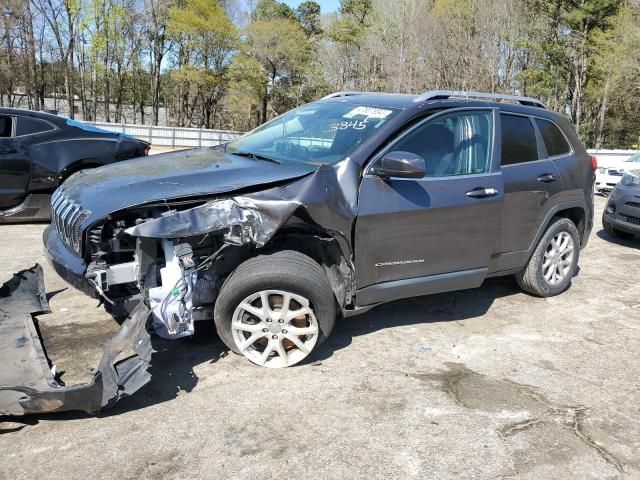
(400, 164)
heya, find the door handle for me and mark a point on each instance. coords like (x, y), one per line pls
(547, 178)
(482, 192)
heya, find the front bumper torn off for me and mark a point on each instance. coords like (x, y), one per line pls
(27, 383)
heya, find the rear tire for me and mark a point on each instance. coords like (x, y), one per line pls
(614, 232)
(299, 315)
(554, 260)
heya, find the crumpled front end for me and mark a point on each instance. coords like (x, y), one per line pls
(175, 255)
(28, 383)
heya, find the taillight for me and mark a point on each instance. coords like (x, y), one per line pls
(594, 162)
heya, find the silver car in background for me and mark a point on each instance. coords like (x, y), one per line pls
(608, 176)
(621, 217)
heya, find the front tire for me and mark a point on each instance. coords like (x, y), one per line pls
(275, 309)
(554, 261)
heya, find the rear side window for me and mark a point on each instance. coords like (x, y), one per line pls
(5, 126)
(553, 138)
(29, 126)
(518, 140)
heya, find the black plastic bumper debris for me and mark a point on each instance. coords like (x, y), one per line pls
(27, 383)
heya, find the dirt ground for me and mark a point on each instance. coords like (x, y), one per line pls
(485, 383)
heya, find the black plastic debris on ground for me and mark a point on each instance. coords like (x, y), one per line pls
(27, 382)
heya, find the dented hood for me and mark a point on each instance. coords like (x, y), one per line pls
(187, 173)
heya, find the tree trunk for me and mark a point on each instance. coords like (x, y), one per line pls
(68, 86)
(31, 55)
(155, 85)
(603, 114)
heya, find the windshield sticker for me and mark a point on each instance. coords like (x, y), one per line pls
(355, 124)
(369, 112)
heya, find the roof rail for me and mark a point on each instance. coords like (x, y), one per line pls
(444, 94)
(344, 93)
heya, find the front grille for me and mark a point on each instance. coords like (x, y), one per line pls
(629, 219)
(633, 204)
(67, 215)
(615, 173)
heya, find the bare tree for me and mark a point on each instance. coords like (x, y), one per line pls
(62, 16)
(157, 12)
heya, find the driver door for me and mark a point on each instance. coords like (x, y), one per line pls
(417, 236)
(15, 167)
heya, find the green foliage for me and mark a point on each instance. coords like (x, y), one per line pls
(272, 10)
(207, 39)
(203, 25)
(357, 10)
(582, 57)
(308, 14)
(456, 10)
(352, 25)
(585, 15)
(616, 65)
(279, 45)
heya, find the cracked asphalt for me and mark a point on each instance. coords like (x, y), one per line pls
(485, 383)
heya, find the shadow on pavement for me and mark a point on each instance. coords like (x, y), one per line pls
(632, 242)
(443, 307)
(171, 371)
(173, 361)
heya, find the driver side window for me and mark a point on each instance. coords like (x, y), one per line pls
(458, 143)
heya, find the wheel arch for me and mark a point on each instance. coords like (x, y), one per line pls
(575, 211)
(577, 215)
(78, 165)
(324, 247)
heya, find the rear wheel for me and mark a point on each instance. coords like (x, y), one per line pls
(275, 309)
(554, 261)
(614, 232)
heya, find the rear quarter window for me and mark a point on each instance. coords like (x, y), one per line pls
(554, 139)
(6, 126)
(519, 143)
(31, 126)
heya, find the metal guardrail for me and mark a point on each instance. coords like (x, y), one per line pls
(171, 136)
(613, 153)
(608, 158)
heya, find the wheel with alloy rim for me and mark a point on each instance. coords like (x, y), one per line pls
(275, 309)
(558, 258)
(274, 328)
(554, 261)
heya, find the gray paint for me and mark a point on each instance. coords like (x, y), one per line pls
(620, 197)
(385, 219)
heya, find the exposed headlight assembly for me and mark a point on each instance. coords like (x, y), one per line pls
(630, 180)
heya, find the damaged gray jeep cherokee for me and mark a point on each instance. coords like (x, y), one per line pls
(330, 209)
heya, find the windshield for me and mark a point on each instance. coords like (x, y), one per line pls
(634, 159)
(317, 133)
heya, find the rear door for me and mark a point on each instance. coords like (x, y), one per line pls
(531, 180)
(447, 222)
(15, 166)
